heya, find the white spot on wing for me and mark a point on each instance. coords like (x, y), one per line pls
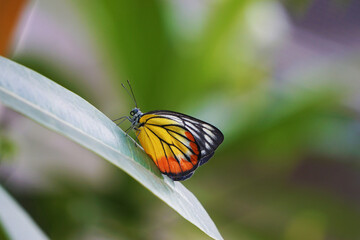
(195, 134)
(208, 132)
(191, 125)
(193, 129)
(190, 120)
(203, 152)
(207, 146)
(208, 139)
(173, 118)
(208, 126)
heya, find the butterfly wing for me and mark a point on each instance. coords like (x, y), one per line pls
(207, 136)
(177, 143)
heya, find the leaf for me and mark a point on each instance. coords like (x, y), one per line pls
(15, 221)
(66, 113)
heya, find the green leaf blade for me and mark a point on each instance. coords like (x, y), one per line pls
(16, 223)
(55, 107)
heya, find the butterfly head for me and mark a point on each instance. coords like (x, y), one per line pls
(135, 115)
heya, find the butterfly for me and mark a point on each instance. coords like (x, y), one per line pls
(177, 143)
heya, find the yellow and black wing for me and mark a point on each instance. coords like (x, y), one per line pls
(177, 143)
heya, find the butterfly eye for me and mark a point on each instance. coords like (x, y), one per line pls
(134, 111)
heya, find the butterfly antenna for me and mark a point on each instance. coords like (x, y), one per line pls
(132, 94)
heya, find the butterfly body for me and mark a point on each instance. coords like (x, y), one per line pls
(177, 143)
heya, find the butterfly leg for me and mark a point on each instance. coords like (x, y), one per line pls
(127, 130)
(122, 120)
(137, 134)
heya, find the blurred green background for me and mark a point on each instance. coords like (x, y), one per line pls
(279, 78)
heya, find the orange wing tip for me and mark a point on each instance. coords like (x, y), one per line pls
(194, 147)
(174, 166)
(174, 170)
(190, 136)
(171, 166)
(163, 165)
(194, 159)
(186, 165)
